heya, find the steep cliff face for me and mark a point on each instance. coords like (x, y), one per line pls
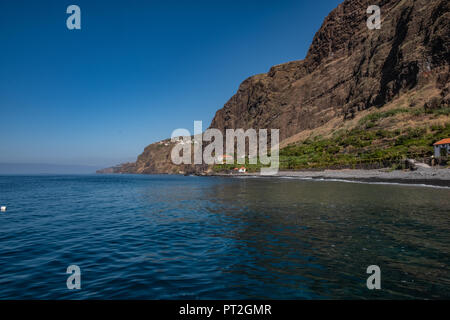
(348, 69)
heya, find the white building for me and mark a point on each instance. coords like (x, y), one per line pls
(223, 158)
(442, 147)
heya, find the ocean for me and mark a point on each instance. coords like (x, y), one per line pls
(177, 237)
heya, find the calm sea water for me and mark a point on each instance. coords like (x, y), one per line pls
(176, 237)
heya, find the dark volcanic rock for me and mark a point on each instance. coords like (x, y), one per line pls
(348, 68)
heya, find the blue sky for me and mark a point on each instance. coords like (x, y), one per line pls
(136, 70)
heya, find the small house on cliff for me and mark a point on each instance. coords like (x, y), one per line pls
(442, 148)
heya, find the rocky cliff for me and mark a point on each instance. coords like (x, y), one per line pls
(348, 69)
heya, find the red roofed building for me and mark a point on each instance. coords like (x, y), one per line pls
(442, 148)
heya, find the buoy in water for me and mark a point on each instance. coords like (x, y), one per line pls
(3, 208)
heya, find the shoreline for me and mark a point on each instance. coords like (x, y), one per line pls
(431, 177)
